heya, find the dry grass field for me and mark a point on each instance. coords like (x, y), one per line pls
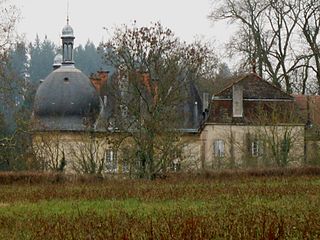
(263, 204)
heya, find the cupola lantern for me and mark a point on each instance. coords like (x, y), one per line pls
(67, 44)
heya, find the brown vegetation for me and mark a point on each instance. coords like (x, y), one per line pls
(239, 204)
(227, 174)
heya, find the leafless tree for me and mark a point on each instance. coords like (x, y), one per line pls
(248, 15)
(87, 154)
(48, 151)
(269, 38)
(9, 15)
(281, 132)
(154, 73)
(309, 24)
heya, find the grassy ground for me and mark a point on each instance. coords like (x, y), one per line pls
(284, 205)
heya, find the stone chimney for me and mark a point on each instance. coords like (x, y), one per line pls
(99, 79)
(237, 100)
(205, 101)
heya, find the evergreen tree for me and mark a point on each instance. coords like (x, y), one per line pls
(19, 59)
(13, 82)
(41, 59)
(79, 58)
(34, 50)
(88, 59)
(18, 63)
(48, 52)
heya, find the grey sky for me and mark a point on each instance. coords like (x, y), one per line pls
(187, 18)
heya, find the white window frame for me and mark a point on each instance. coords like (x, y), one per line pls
(111, 160)
(125, 166)
(256, 148)
(219, 148)
(176, 165)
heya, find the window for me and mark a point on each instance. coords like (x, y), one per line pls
(65, 51)
(105, 100)
(125, 165)
(256, 148)
(219, 148)
(69, 52)
(111, 160)
(175, 166)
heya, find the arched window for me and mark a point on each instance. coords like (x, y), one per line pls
(65, 52)
(69, 52)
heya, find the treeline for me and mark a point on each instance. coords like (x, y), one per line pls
(34, 61)
(22, 67)
(26, 64)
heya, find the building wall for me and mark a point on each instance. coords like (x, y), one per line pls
(77, 149)
(313, 152)
(86, 153)
(191, 152)
(238, 143)
(243, 146)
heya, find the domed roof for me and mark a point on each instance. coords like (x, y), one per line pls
(67, 31)
(66, 100)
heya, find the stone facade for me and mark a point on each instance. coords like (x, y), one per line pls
(267, 129)
(242, 146)
(85, 152)
(268, 133)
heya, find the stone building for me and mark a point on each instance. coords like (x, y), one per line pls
(72, 116)
(247, 123)
(66, 105)
(251, 123)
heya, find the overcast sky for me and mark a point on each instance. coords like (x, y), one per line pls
(187, 18)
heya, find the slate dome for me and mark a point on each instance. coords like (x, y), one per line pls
(66, 99)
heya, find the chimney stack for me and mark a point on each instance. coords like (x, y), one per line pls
(99, 79)
(237, 100)
(205, 102)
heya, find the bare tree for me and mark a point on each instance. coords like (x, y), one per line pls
(9, 16)
(154, 73)
(87, 154)
(283, 24)
(248, 15)
(48, 149)
(269, 37)
(309, 24)
(280, 135)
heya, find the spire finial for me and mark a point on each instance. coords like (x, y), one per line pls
(68, 12)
